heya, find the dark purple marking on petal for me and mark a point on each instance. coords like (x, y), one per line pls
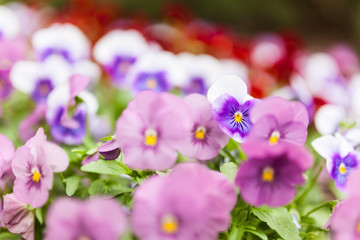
(120, 67)
(58, 51)
(42, 89)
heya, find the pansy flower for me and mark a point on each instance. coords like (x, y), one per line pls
(272, 173)
(95, 219)
(159, 71)
(17, 218)
(205, 139)
(118, 50)
(191, 202)
(276, 119)
(231, 106)
(151, 128)
(201, 70)
(341, 158)
(65, 40)
(109, 150)
(69, 107)
(33, 166)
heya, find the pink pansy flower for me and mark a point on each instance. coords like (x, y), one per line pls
(17, 218)
(150, 130)
(33, 166)
(6, 154)
(205, 139)
(277, 120)
(96, 219)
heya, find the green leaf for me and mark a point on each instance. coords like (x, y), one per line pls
(80, 150)
(256, 232)
(105, 187)
(236, 233)
(230, 170)
(72, 184)
(112, 167)
(9, 236)
(280, 220)
(39, 215)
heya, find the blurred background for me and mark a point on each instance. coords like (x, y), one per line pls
(317, 22)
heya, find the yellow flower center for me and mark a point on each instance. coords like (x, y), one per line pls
(150, 137)
(274, 138)
(342, 168)
(36, 175)
(151, 83)
(238, 117)
(200, 133)
(169, 224)
(268, 174)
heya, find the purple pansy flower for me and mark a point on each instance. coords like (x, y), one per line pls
(94, 219)
(33, 166)
(191, 202)
(276, 120)
(231, 106)
(205, 139)
(67, 117)
(271, 173)
(17, 218)
(341, 158)
(118, 50)
(151, 128)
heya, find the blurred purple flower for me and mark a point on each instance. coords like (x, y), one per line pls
(151, 128)
(205, 139)
(231, 106)
(94, 219)
(28, 126)
(191, 202)
(6, 154)
(271, 173)
(33, 166)
(67, 117)
(17, 218)
(276, 120)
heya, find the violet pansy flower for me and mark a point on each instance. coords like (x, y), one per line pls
(65, 40)
(17, 218)
(109, 150)
(205, 139)
(118, 50)
(94, 219)
(271, 173)
(159, 71)
(276, 120)
(231, 106)
(33, 166)
(341, 158)
(191, 202)
(151, 128)
(66, 117)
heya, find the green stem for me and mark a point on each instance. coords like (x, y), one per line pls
(63, 180)
(300, 199)
(325, 204)
(226, 154)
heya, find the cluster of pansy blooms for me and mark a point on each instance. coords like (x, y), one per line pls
(204, 146)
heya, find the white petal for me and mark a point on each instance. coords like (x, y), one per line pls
(234, 67)
(58, 97)
(91, 102)
(9, 23)
(326, 146)
(119, 43)
(232, 85)
(89, 69)
(353, 136)
(24, 75)
(328, 118)
(345, 147)
(63, 36)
